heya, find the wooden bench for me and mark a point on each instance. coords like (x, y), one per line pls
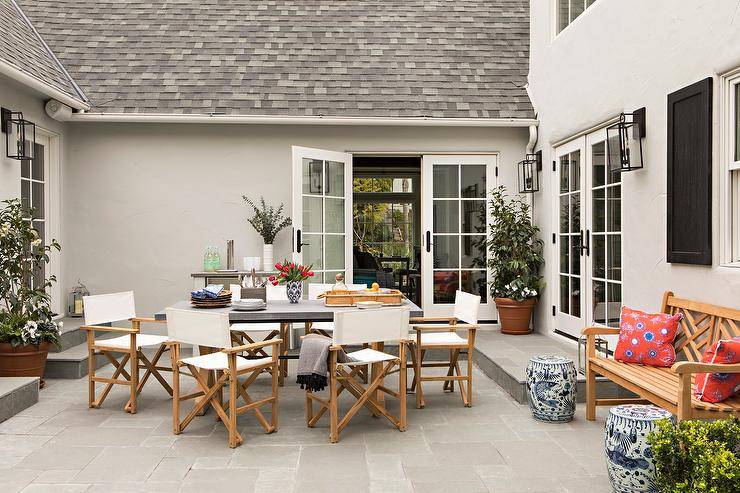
(670, 388)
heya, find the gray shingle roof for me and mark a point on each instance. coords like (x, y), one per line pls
(389, 58)
(21, 47)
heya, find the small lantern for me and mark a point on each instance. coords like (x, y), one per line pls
(75, 307)
(624, 142)
(13, 124)
(529, 173)
(602, 349)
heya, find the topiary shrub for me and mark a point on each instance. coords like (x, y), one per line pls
(697, 456)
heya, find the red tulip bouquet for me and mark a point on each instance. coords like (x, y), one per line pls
(292, 275)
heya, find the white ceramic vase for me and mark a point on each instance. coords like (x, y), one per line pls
(268, 261)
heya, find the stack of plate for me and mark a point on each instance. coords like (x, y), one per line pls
(249, 304)
(222, 300)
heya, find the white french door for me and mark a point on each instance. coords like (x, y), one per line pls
(589, 239)
(455, 214)
(322, 212)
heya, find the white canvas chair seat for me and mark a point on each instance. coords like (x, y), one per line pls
(316, 289)
(105, 309)
(445, 336)
(220, 361)
(442, 339)
(124, 342)
(367, 356)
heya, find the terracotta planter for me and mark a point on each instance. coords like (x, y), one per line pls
(23, 361)
(515, 316)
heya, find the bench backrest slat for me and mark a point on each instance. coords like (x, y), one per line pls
(703, 324)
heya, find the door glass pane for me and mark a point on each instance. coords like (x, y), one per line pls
(564, 254)
(446, 252)
(576, 8)
(312, 214)
(445, 285)
(564, 173)
(575, 255)
(474, 216)
(446, 215)
(575, 170)
(575, 296)
(475, 282)
(334, 179)
(564, 213)
(599, 210)
(473, 181)
(312, 250)
(40, 272)
(334, 215)
(575, 212)
(445, 181)
(313, 176)
(473, 252)
(26, 195)
(614, 258)
(563, 11)
(38, 163)
(599, 302)
(37, 199)
(599, 164)
(25, 168)
(614, 306)
(334, 251)
(737, 122)
(614, 209)
(564, 297)
(598, 256)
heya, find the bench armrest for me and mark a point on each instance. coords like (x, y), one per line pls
(599, 331)
(99, 328)
(250, 347)
(683, 367)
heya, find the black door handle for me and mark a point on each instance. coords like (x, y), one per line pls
(298, 241)
(429, 241)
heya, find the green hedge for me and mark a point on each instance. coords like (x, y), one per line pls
(697, 456)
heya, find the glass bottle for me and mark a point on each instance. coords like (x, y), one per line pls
(339, 286)
(216, 259)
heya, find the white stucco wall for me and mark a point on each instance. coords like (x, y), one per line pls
(619, 56)
(142, 201)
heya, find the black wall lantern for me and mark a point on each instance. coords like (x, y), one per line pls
(529, 173)
(624, 142)
(17, 132)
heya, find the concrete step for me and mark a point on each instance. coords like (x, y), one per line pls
(71, 363)
(16, 394)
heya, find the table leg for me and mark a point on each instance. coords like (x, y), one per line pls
(207, 375)
(283, 349)
(377, 369)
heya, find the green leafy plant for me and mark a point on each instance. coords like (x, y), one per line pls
(267, 220)
(25, 312)
(515, 249)
(697, 456)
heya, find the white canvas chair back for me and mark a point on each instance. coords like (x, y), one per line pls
(466, 307)
(276, 293)
(108, 308)
(314, 290)
(360, 326)
(198, 327)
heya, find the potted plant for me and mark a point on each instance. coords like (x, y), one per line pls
(515, 258)
(268, 222)
(26, 325)
(292, 275)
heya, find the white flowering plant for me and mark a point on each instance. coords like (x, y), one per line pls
(25, 312)
(517, 290)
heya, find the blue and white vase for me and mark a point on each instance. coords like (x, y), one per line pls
(293, 290)
(629, 460)
(551, 385)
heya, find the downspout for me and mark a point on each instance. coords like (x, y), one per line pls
(532, 139)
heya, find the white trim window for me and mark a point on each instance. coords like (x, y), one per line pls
(568, 10)
(730, 178)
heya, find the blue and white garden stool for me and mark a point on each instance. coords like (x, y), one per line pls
(629, 459)
(551, 385)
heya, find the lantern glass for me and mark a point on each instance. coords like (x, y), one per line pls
(624, 142)
(20, 136)
(528, 174)
(602, 349)
(75, 304)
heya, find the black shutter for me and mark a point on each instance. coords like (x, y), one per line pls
(690, 174)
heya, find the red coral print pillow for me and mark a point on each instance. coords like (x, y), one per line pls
(646, 338)
(716, 387)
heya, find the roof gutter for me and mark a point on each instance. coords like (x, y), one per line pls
(37, 84)
(300, 120)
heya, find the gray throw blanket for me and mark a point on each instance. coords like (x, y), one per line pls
(313, 362)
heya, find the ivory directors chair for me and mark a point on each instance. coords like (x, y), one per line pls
(117, 307)
(211, 331)
(357, 327)
(314, 290)
(445, 336)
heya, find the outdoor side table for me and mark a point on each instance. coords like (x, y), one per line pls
(551, 388)
(629, 460)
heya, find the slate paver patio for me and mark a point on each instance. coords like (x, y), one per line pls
(495, 446)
